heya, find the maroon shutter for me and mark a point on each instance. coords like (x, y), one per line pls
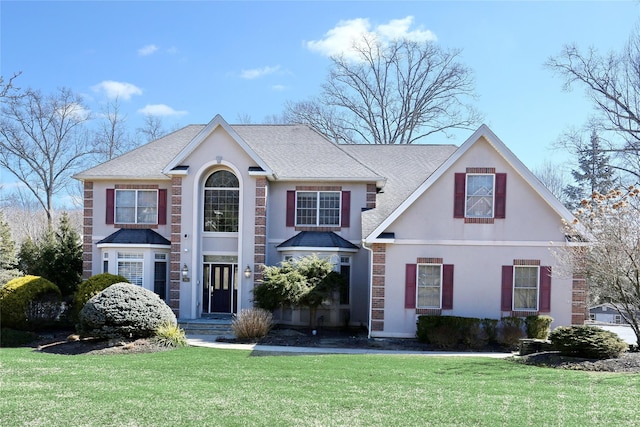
(507, 287)
(447, 287)
(162, 206)
(500, 201)
(291, 208)
(545, 289)
(110, 206)
(345, 209)
(459, 194)
(410, 286)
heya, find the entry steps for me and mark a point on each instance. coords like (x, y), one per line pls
(212, 325)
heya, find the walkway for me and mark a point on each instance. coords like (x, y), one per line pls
(210, 341)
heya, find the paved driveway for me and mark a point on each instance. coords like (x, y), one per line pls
(623, 331)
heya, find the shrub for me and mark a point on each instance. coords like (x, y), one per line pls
(538, 327)
(124, 310)
(490, 328)
(510, 330)
(13, 338)
(92, 287)
(29, 303)
(252, 324)
(587, 341)
(168, 335)
(448, 332)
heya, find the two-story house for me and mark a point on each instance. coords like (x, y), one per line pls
(416, 229)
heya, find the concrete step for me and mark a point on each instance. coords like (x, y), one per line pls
(207, 327)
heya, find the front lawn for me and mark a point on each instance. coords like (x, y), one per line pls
(205, 387)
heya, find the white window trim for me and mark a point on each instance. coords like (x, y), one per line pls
(466, 195)
(418, 286)
(203, 195)
(135, 211)
(317, 224)
(513, 287)
(140, 260)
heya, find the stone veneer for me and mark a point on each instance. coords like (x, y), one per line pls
(87, 231)
(260, 229)
(176, 245)
(377, 286)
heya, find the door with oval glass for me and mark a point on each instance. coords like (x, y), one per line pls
(220, 289)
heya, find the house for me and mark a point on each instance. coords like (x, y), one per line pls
(416, 229)
(607, 313)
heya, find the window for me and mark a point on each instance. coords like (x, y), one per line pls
(345, 271)
(221, 202)
(480, 195)
(320, 208)
(136, 206)
(525, 288)
(479, 198)
(130, 266)
(429, 281)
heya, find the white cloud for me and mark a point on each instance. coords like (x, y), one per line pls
(341, 39)
(160, 110)
(279, 88)
(147, 50)
(258, 72)
(120, 90)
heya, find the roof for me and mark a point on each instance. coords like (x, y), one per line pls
(126, 236)
(405, 167)
(317, 239)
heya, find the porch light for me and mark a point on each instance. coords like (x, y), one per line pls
(185, 273)
(247, 272)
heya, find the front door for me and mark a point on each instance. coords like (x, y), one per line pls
(219, 288)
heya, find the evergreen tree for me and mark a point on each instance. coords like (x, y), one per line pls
(594, 172)
(8, 256)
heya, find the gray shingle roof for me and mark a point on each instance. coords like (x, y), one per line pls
(317, 239)
(136, 236)
(404, 166)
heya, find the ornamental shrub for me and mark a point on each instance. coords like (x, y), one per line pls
(29, 303)
(124, 310)
(538, 327)
(589, 342)
(510, 330)
(449, 332)
(252, 324)
(168, 335)
(92, 287)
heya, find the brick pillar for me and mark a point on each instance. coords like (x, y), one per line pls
(176, 233)
(87, 231)
(371, 196)
(377, 287)
(579, 300)
(260, 229)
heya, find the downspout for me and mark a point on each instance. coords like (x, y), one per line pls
(370, 279)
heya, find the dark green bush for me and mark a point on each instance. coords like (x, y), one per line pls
(13, 338)
(449, 332)
(587, 341)
(124, 310)
(490, 328)
(538, 327)
(510, 331)
(29, 303)
(92, 287)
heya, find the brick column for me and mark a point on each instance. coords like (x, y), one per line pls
(87, 231)
(579, 300)
(371, 196)
(260, 229)
(377, 287)
(176, 246)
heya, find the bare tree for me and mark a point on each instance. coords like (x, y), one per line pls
(43, 140)
(394, 93)
(152, 128)
(112, 138)
(611, 258)
(553, 177)
(612, 83)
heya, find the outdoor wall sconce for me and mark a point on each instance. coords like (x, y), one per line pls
(185, 273)
(247, 272)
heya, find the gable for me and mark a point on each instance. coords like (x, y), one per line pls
(482, 150)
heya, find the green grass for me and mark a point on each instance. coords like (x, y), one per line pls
(204, 387)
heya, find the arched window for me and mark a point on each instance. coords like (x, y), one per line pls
(221, 202)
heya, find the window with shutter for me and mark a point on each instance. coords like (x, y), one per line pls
(480, 196)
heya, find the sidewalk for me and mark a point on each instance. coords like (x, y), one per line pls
(210, 341)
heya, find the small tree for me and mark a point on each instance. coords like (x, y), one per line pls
(610, 259)
(8, 256)
(306, 282)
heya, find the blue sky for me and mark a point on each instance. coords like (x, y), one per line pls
(188, 61)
